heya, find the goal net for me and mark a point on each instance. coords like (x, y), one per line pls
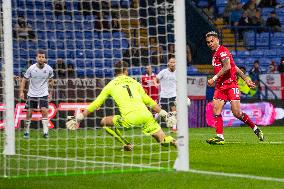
(82, 41)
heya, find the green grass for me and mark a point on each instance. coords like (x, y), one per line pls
(241, 154)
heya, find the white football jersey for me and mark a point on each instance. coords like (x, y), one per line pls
(167, 83)
(38, 80)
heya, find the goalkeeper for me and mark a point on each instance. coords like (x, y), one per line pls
(132, 102)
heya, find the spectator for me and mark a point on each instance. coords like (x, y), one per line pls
(236, 15)
(245, 21)
(267, 3)
(70, 70)
(188, 55)
(171, 50)
(231, 5)
(23, 30)
(272, 69)
(59, 8)
(281, 66)
(273, 22)
(244, 88)
(258, 21)
(254, 74)
(250, 7)
(210, 12)
(149, 84)
(59, 68)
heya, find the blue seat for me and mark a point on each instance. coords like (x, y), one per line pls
(99, 72)
(106, 35)
(89, 63)
(70, 44)
(61, 53)
(107, 44)
(70, 53)
(270, 53)
(108, 73)
(79, 54)
(90, 73)
(98, 64)
(88, 44)
(107, 54)
(264, 62)
(60, 35)
(256, 53)
(89, 54)
(88, 34)
(243, 54)
(51, 54)
(60, 45)
(50, 25)
(68, 25)
(108, 62)
(51, 44)
(98, 54)
(79, 35)
(80, 73)
(134, 71)
(80, 63)
(69, 35)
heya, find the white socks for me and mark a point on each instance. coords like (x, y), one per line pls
(45, 125)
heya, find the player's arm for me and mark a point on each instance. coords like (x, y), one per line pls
(22, 88)
(225, 68)
(73, 121)
(50, 87)
(245, 78)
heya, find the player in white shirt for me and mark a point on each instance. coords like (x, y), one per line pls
(167, 80)
(40, 80)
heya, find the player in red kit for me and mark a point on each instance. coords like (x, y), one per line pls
(149, 83)
(226, 88)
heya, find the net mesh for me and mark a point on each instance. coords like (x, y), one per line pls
(87, 37)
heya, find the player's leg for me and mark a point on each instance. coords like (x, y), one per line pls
(152, 127)
(163, 139)
(114, 122)
(172, 104)
(31, 104)
(236, 110)
(217, 109)
(43, 103)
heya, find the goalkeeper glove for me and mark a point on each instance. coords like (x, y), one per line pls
(73, 121)
(171, 119)
(163, 113)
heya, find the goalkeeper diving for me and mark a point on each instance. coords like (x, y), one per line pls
(132, 102)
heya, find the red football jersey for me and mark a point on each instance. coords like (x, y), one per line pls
(230, 77)
(148, 85)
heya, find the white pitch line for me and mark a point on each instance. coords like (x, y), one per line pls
(91, 161)
(237, 175)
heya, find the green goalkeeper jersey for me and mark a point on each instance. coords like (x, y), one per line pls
(128, 95)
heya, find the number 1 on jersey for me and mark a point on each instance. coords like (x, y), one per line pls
(128, 90)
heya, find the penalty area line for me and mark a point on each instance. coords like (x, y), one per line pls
(253, 177)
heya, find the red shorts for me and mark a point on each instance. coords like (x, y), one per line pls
(227, 93)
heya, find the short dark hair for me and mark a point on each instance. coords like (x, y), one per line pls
(212, 33)
(40, 52)
(120, 67)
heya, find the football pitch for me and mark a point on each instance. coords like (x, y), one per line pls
(243, 162)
